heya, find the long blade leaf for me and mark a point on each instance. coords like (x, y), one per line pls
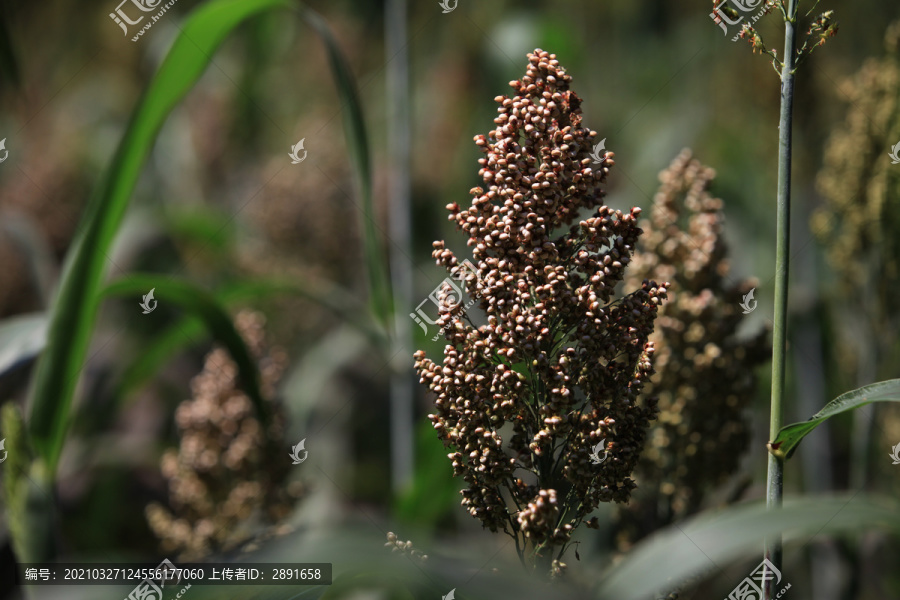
(9, 63)
(708, 542)
(790, 436)
(73, 314)
(181, 334)
(358, 145)
(21, 338)
(204, 306)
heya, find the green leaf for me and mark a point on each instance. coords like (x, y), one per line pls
(21, 338)
(158, 352)
(211, 229)
(26, 233)
(205, 307)
(434, 492)
(306, 384)
(190, 329)
(9, 63)
(790, 436)
(27, 492)
(74, 312)
(710, 541)
(370, 583)
(358, 144)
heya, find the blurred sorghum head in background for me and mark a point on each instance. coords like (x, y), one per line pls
(858, 224)
(860, 184)
(559, 367)
(222, 475)
(704, 377)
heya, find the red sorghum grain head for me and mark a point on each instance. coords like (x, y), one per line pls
(525, 399)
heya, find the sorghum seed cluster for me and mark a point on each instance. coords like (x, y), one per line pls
(858, 223)
(859, 181)
(221, 475)
(704, 372)
(397, 545)
(559, 366)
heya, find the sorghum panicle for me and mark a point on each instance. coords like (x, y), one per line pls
(858, 223)
(221, 475)
(704, 372)
(858, 180)
(559, 366)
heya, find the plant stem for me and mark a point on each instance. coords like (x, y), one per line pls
(402, 386)
(775, 475)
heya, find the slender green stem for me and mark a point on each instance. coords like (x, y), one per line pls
(775, 476)
(402, 387)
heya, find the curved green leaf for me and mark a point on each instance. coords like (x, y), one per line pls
(21, 338)
(25, 232)
(209, 228)
(74, 311)
(710, 541)
(179, 335)
(305, 385)
(205, 307)
(370, 583)
(27, 492)
(158, 352)
(790, 436)
(433, 493)
(9, 63)
(358, 144)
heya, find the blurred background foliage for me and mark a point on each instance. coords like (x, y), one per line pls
(219, 203)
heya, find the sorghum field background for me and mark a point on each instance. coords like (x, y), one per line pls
(285, 291)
